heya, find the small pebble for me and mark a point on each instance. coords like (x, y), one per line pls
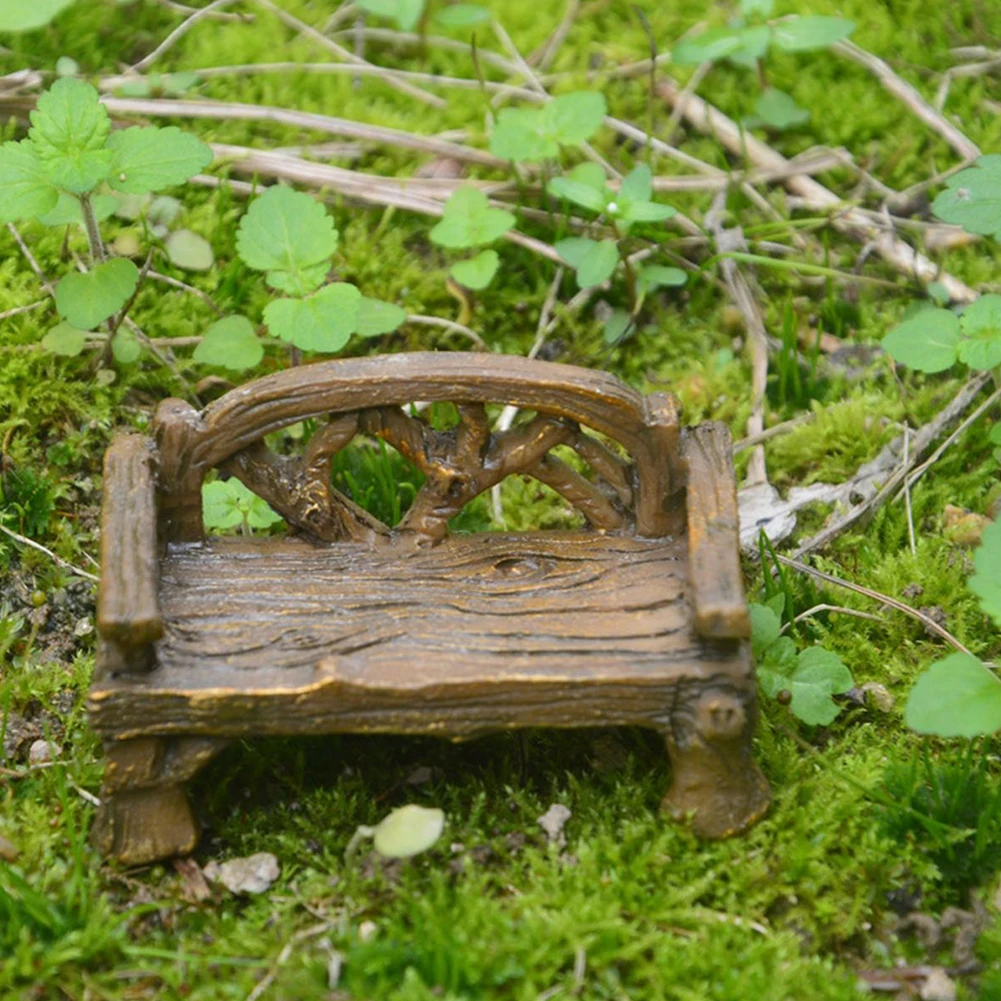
(41, 752)
(938, 987)
(367, 930)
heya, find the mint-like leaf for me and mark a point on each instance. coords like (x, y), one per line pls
(145, 158)
(26, 191)
(85, 300)
(69, 127)
(323, 322)
(981, 326)
(928, 341)
(478, 272)
(469, 221)
(957, 696)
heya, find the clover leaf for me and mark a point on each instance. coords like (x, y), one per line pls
(972, 198)
(230, 343)
(477, 272)
(986, 580)
(957, 696)
(528, 135)
(928, 341)
(69, 127)
(469, 221)
(28, 192)
(323, 322)
(228, 504)
(85, 300)
(144, 158)
(289, 235)
(594, 261)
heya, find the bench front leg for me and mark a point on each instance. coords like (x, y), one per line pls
(128, 609)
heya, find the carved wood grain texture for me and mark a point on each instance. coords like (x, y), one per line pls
(477, 633)
(128, 611)
(713, 534)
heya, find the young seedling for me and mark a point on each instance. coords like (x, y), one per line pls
(290, 237)
(468, 221)
(229, 505)
(531, 135)
(57, 175)
(803, 680)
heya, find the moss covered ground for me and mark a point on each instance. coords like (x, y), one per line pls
(633, 906)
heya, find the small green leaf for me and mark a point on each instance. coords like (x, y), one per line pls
(64, 339)
(658, 276)
(645, 211)
(462, 15)
(766, 626)
(376, 317)
(145, 158)
(617, 327)
(928, 341)
(637, 185)
(67, 66)
(777, 110)
(190, 251)
(67, 210)
(981, 325)
(408, 830)
(986, 580)
(469, 221)
(228, 504)
(85, 300)
(593, 261)
(406, 13)
(307, 279)
(286, 231)
(132, 207)
(572, 119)
(125, 347)
(478, 271)
(163, 211)
(972, 198)
(27, 192)
(957, 696)
(762, 7)
(801, 34)
(938, 293)
(819, 674)
(323, 322)
(230, 343)
(27, 15)
(578, 192)
(591, 174)
(706, 47)
(69, 127)
(754, 43)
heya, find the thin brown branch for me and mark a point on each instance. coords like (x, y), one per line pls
(179, 32)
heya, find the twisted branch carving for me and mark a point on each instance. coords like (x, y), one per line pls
(458, 465)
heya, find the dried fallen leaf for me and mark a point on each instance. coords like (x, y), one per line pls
(253, 874)
(193, 882)
(408, 831)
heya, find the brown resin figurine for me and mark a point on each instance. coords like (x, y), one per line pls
(346, 625)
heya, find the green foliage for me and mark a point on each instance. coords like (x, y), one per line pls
(27, 501)
(933, 340)
(469, 221)
(805, 680)
(64, 339)
(477, 272)
(529, 135)
(586, 186)
(21, 15)
(230, 343)
(323, 321)
(655, 276)
(376, 317)
(957, 696)
(594, 261)
(290, 236)
(189, 251)
(972, 198)
(462, 15)
(228, 505)
(377, 478)
(986, 580)
(87, 299)
(26, 190)
(405, 13)
(777, 110)
(745, 45)
(145, 159)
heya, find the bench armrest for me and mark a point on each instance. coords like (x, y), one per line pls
(128, 609)
(714, 534)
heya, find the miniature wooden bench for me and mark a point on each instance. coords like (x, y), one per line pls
(345, 625)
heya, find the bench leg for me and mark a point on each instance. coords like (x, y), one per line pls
(715, 779)
(144, 813)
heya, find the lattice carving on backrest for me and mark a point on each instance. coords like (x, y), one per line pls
(458, 465)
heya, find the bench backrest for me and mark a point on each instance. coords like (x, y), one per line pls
(365, 396)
